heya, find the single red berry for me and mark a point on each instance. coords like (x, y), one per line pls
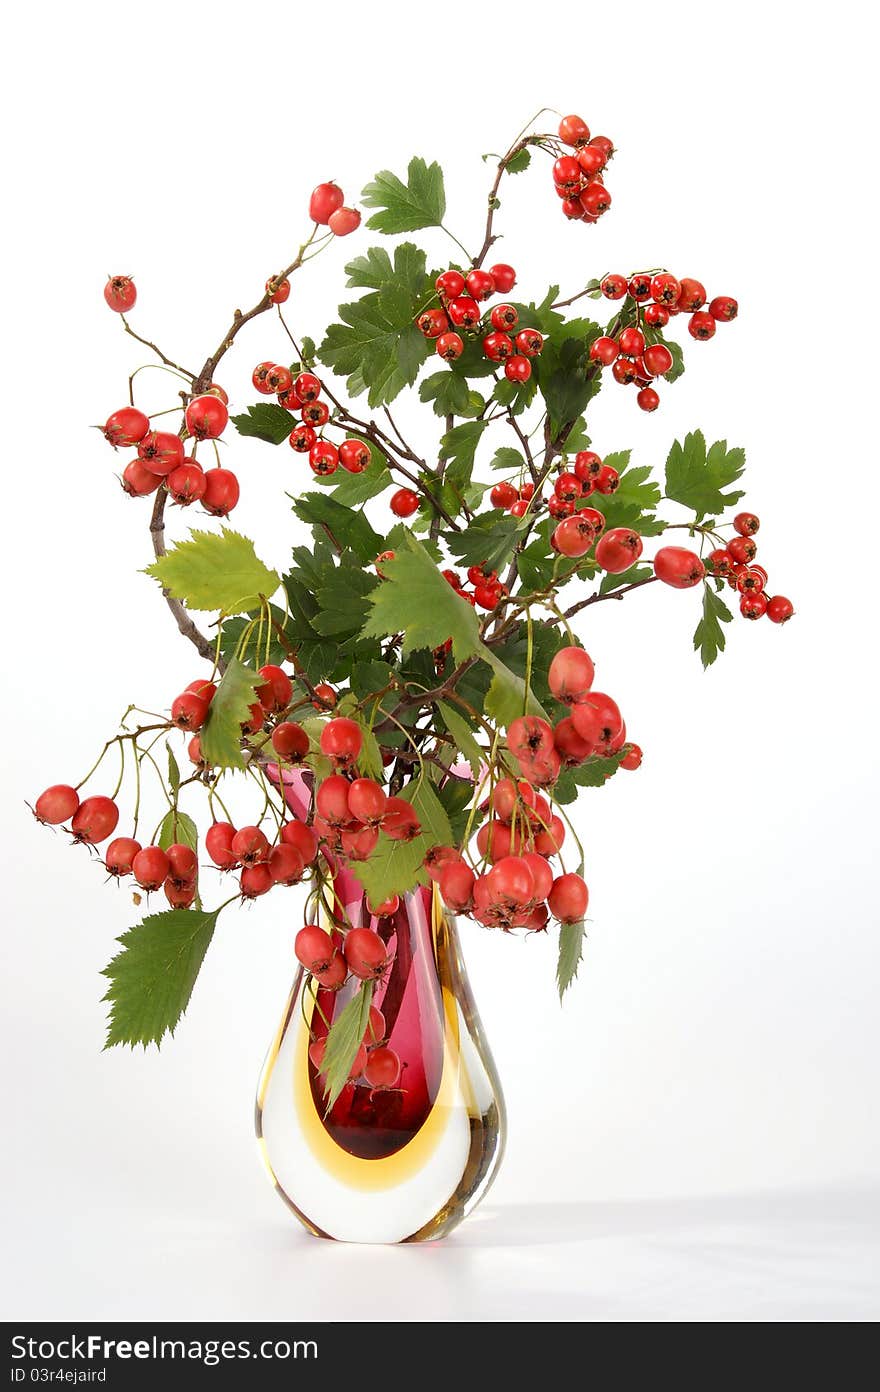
(573, 537)
(570, 674)
(631, 342)
(497, 346)
(255, 880)
(150, 868)
(504, 277)
(678, 567)
(120, 855)
(323, 458)
(56, 805)
(450, 284)
(365, 953)
(624, 371)
(186, 483)
(618, 549)
(480, 284)
(302, 838)
(613, 287)
(604, 350)
(503, 495)
(701, 325)
(250, 846)
(179, 896)
(753, 606)
(290, 741)
(259, 376)
(648, 399)
(510, 881)
(464, 312)
(568, 899)
(400, 821)
(315, 413)
(138, 481)
(277, 689)
(567, 174)
(278, 290)
(307, 387)
(595, 199)
(568, 487)
(743, 549)
(344, 221)
(529, 736)
(719, 562)
(206, 417)
(753, 581)
(746, 523)
(658, 359)
(607, 480)
(189, 711)
(591, 517)
(366, 801)
(601, 142)
(160, 451)
(279, 379)
(334, 976)
(517, 368)
(591, 160)
(301, 438)
(432, 323)
(632, 757)
(314, 948)
(183, 864)
(450, 346)
(665, 289)
(597, 717)
(587, 466)
(376, 1027)
(354, 456)
(324, 696)
(487, 596)
(723, 308)
(325, 200)
(573, 130)
(221, 492)
(559, 507)
(127, 426)
(218, 844)
(404, 502)
(572, 209)
(286, 865)
(779, 609)
(382, 1068)
(691, 296)
(504, 317)
(530, 342)
(457, 886)
(657, 315)
(640, 286)
(120, 294)
(342, 740)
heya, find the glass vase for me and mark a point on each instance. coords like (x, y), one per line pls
(402, 1164)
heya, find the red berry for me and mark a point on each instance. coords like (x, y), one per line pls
(450, 284)
(290, 741)
(658, 359)
(517, 368)
(464, 312)
(604, 350)
(457, 886)
(691, 296)
(657, 315)
(315, 413)
(779, 609)
(573, 537)
(218, 844)
(450, 346)
(570, 674)
(250, 846)
(624, 371)
(323, 458)
(743, 549)
(302, 838)
(723, 308)
(568, 487)
(404, 502)
(255, 880)
(382, 1068)
(120, 294)
(597, 718)
(530, 342)
(138, 481)
(279, 379)
(607, 480)
(746, 523)
(432, 323)
(376, 1026)
(278, 290)
(186, 483)
(56, 805)
(573, 130)
(591, 160)
(753, 606)
(325, 200)
(324, 695)
(571, 207)
(354, 456)
(571, 746)
(259, 376)
(530, 737)
(567, 173)
(189, 711)
(631, 342)
(206, 417)
(503, 495)
(221, 492)
(614, 287)
(648, 399)
(510, 881)
(701, 325)
(480, 284)
(306, 388)
(400, 821)
(286, 865)
(333, 976)
(365, 953)
(314, 948)
(301, 438)
(678, 567)
(665, 289)
(183, 865)
(120, 855)
(344, 221)
(595, 199)
(497, 346)
(150, 868)
(548, 841)
(568, 899)
(127, 426)
(618, 549)
(332, 800)
(504, 277)
(632, 757)
(160, 451)
(366, 801)
(277, 690)
(504, 317)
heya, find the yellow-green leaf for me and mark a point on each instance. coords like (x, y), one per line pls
(215, 571)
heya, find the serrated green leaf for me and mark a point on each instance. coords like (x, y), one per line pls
(508, 460)
(458, 447)
(519, 162)
(571, 945)
(488, 540)
(215, 571)
(506, 697)
(565, 374)
(696, 477)
(448, 391)
(344, 525)
(220, 735)
(343, 600)
(415, 600)
(173, 769)
(463, 735)
(266, 421)
(635, 501)
(709, 639)
(178, 829)
(406, 207)
(627, 577)
(344, 1038)
(152, 978)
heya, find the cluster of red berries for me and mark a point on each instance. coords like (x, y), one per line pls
(161, 460)
(330, 959)
(588, 474)
(459, 308)
(302, 394)
(657, 297)
(327, 208)
(577, 178)
(735, 562)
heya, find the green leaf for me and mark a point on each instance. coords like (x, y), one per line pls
(449, 392)
(397, 866)
(173, 769)
(212, 571)
(634, 502)
(266, 421)
(696, 478)
(152, 978)
(459, 447)
(506, 697)
(345, 526)
(463, 735)
(343, 601)
(220, 735)
(508, 459)
(520, 161)
(353, 490)
(405, 207)
(627, 577)
(377, 345)
(344, 1038)
(488, 540)
(415, 600)
(566, 377)
(709, 639)
(571, 944)
(178, 828)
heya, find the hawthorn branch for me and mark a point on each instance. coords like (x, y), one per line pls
(169, 362)
(187, 627)
(490, 236)
(611, 594)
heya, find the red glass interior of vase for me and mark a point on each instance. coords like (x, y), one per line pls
(368, 1122)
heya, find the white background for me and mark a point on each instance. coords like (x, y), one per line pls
(700, 1119)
